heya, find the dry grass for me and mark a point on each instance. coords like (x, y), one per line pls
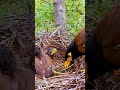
(107, 82)
(73, 78)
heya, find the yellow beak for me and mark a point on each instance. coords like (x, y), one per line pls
(70, 54)
(67, 63)
(83, 70)
(54, 51)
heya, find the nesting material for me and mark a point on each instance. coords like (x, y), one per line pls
(72, 77)
(75, 77)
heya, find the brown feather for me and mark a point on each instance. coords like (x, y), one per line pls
(80, 41)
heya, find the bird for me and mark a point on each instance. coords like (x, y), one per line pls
(76, 48)
(103, 47)
(51, 51)
(69, 59)
(43, 63)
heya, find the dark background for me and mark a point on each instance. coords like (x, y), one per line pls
(17, 27)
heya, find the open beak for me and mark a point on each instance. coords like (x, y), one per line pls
(67, 63)
(54, 51)
(70, 54)
(69, 59)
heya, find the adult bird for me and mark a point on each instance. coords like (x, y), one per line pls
(103, 47)
(76, 48)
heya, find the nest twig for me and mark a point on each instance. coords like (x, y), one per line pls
(17, 34)
(74, 79)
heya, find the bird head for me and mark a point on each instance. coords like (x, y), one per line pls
(72, 48)
(51, 51)
(37, 51)
(72, 51)
(54, 50)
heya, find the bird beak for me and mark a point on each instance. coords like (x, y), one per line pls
(82, 70)
(54, 51)
(69, 54)
(67, 63)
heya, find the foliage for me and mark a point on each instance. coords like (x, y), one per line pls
(44, 15)
(75, 10)
(12, 7)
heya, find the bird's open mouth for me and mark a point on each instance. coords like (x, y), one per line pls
(54, 51)
(67, 63)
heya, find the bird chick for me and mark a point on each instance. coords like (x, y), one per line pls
(69, 59)
(43, 63)
(51, 52)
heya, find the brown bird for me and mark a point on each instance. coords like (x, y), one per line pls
(76, 48)
(107, 34)
(43, 63)
(103, 47)
(80, 41)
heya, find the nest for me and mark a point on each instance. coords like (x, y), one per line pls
(107, 82)
(75, 77)
(16, 32)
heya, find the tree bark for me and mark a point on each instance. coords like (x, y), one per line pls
(60, 13)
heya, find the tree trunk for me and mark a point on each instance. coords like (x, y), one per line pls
(60, 13)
